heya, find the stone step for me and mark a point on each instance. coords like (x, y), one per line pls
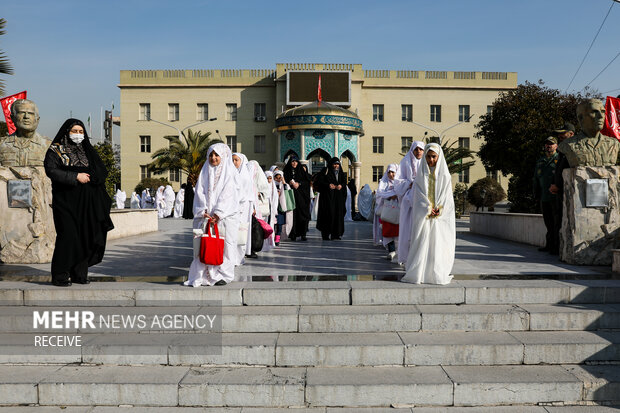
(271, 387)
(314, 293)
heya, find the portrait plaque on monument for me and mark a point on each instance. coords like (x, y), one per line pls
(597, 195)
(19, 193)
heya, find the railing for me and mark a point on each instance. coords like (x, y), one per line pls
(378, 74)
(407, 74)
(465, 75)
(494, 75)
(174, 73)
(435, 74)
(151, 74)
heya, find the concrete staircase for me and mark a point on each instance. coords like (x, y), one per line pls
(537, 345)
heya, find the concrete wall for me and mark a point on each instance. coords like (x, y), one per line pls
(525, 228)
(130, 222)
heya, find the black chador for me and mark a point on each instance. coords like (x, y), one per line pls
(81, 210)
(294, 171)
(332, 186)
(188, 201)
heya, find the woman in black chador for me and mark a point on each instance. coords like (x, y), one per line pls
(188, 202)
(332, 186)
(299, 180)
(80, 204)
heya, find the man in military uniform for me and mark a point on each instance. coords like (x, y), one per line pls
(25, 147)
(557, 187)
(543, 178)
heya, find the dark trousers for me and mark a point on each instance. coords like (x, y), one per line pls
(552, 219)
(78, 273)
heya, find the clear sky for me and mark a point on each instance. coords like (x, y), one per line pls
(68, 53)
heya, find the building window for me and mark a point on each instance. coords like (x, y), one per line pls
(175, 175)
(493, 175)
(489, 109)
(464, 175)
(173, 112)
(405, 143)
(377, 173)
(145, 111)
(231, 141)
(259, 144)
(145, 144)
(407, 113)
(377, 113)
(231, 111)
(463, 113)
(260, 112)
(377, 144)
(464, 143)
(144, 172)
(435, 113)
(202, 111)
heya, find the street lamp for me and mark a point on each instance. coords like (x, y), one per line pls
(440, 135)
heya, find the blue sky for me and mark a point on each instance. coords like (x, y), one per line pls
(68, 54)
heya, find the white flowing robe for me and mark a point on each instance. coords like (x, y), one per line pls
(433, 240)
(261, 193)
(179, 202)
(120, 197)
(245, 198)
(146, 201)
(168, 200)
(385, 191)
(364, 202)
(217, 194)
(160, 203)
(405, 191)
(347, 215)
(135, 201)
(273, 211)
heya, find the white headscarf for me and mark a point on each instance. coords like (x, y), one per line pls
(217, 186)
(386, 185)
(135, 201)
(120, 198)
(169, 199)
(246, 192)
(410, 164)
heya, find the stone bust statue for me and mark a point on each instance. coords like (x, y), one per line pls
(25, 147)
(589, 147)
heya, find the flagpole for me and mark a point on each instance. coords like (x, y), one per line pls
(101, 124)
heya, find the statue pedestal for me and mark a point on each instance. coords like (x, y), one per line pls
(27, 235)
(589, 234)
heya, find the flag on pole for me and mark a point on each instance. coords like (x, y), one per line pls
(6, 103)
(90, 129)
(612, 118)
(319, 97)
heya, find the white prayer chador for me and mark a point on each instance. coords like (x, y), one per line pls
(216, 194)
(179, 202)
(364, 202)
(146, 201)
(385, 191)
(273, 211)
(168, 200)
(261, 195)
(245, 198)
(135, 201)
(433, 240)
(404, 189)
(347, 215)
(120, 197)
(288, 216)
(160, 202)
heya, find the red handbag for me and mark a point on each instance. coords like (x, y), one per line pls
(211, 247)
(388, 229)
(267, 230)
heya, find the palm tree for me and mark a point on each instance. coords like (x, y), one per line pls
(188, 156)
(5, 66)
(455, 157)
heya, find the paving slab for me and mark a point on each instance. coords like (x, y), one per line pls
(18, 384)
(241, 386)
(46, 409)
(112, 386)
(583, 409)
(339, 349)
(298, 293)
(572, 316)
(163, 294)
(515, 291)
(567, 347)
(367, 410)
(259, 319)
(394, 292)
(593, 291)
(489, 385)
(491, 409)
(358, 319)
(461, 348)
(283, 410)
(90, 295)
(18, 348)
(377, 386)
(116, 409)
(473, 318)
(600, 383)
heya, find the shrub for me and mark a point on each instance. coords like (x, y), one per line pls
(152, 184)
(493, 193)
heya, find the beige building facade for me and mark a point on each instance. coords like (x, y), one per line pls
(395, 107)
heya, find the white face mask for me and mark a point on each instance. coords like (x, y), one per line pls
(76, 137)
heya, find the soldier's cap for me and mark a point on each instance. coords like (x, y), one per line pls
(565, 128)
(551, 140)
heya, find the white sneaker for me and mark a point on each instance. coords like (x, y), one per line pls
(391, 256)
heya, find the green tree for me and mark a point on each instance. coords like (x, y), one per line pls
(188, 155)
(152, 184)
(514, 132)
(5, 65)
(106, 153)
(455, 156)
(485, 192)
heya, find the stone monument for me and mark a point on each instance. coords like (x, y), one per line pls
(591, 219)
(27, 231)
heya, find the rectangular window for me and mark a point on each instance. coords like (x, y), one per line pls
(145, 144)
(464, 143)
(377, 113)
(377, 144)
(202, 111)
(463, 113)
(377, 173)
(405, 143)
(260, 112)
(259, 144)
(231, 141)
(435, 113)
(144, 172)
(145, 111)
(175, 175)
(231, 111)
(173, 112)
(464, 175)
(493, 175)
(407, 113)
(489, 109)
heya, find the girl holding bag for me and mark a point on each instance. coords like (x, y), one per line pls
(216, 199)
(387, 198)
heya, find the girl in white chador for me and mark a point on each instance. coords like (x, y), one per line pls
(120, 197)
(245, 198)
(262, 190)
(160, 202)
(386, 192)
(179, 202)
(168, 200)
(433, 233)
(216, 198)
(404, 189)
(146, 201)
(135, 201)
(273, 210)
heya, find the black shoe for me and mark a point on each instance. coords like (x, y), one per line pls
(292, 239)
(221, 282)
(325, 238)
(543, 249)
(58, 283)
(87, 281)
(252, 255)
(277, 243)
(336, 238)
(303, 238)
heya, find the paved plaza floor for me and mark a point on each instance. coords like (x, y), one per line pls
(167, 254)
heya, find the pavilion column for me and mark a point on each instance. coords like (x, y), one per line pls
(357, 172)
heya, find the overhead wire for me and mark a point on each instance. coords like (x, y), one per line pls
(605, 68)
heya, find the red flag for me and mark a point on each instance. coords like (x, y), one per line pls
(319, 96)
(612, 118)
(6, 103)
